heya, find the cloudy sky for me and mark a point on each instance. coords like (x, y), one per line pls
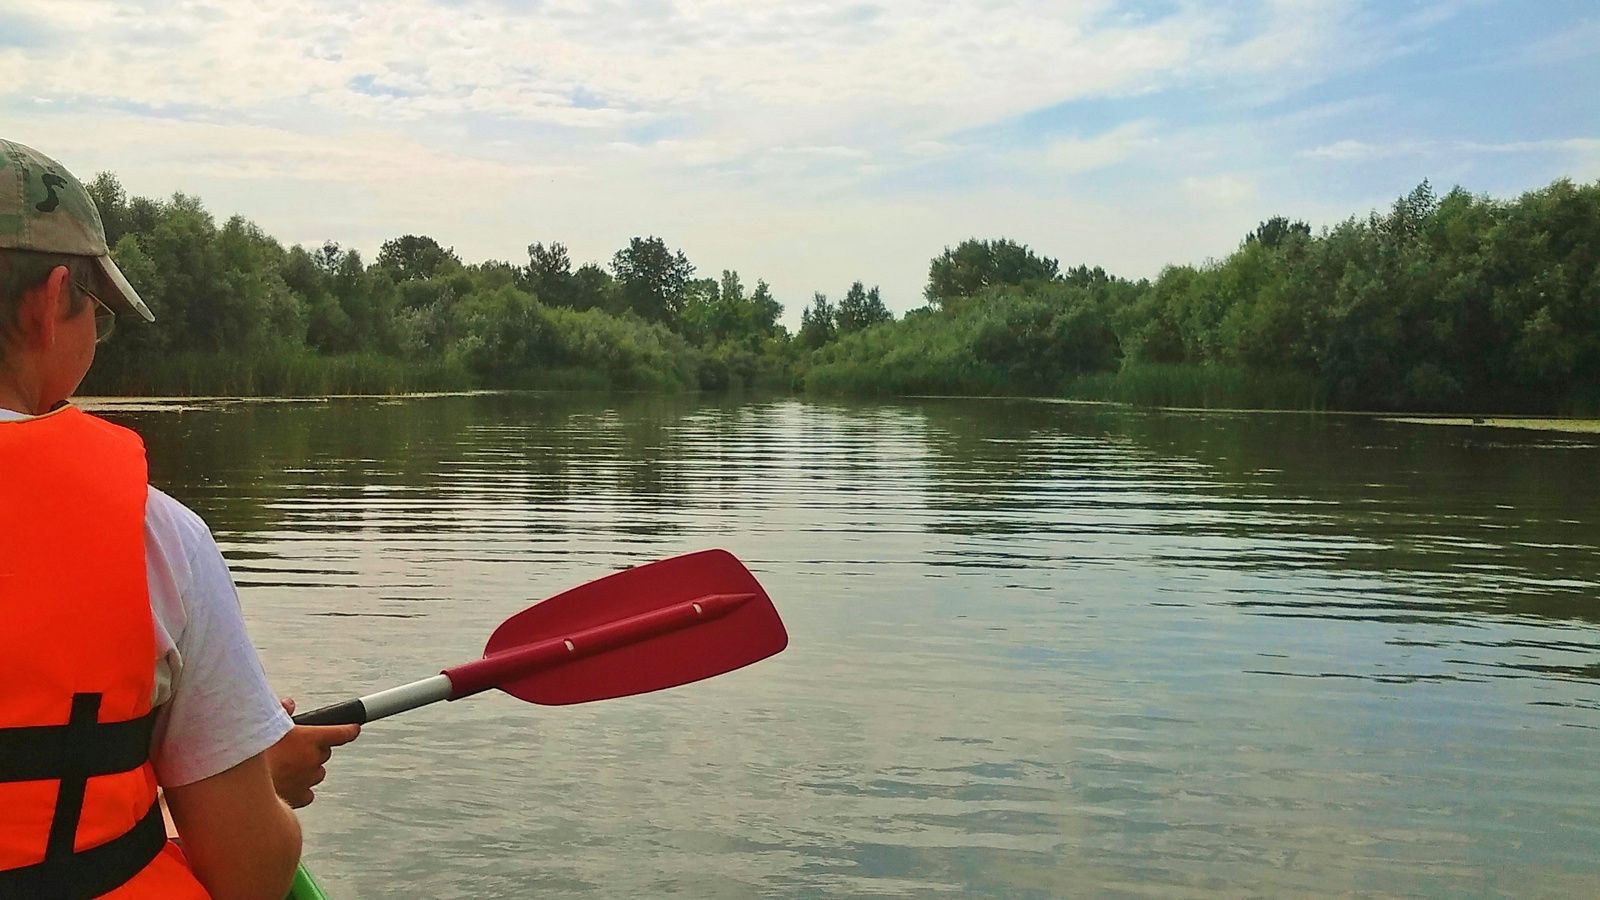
(806, 142)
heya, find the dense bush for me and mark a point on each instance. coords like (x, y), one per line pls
(237, 313)
(1004, 340)
(1453, 303)
(1457, 303)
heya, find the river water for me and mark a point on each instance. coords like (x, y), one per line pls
(1037, 650)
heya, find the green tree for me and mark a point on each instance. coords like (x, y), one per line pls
(719, 311)
(1274, 231)
(653, 279)
(414, 256)
(549, 275)
(112, 201)
(594, 288)
(765, 310)
(817, 323)
(860, 309)
(974, 265)
(350, 308)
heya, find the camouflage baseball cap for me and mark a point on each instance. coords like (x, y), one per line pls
(44, 208)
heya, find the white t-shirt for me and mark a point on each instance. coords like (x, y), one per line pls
(217, 709)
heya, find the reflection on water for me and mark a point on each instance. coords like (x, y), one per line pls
(1038, 650)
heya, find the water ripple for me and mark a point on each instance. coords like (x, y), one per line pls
(1038, 650)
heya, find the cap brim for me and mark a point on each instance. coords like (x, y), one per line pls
(121, 296)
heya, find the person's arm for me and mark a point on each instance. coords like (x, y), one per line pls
(242, 842)
(220, 718)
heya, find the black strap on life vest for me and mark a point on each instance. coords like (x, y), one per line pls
(72, 754)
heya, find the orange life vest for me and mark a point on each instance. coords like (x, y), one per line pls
(78, 811)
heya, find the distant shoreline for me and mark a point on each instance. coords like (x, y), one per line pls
(114, 403)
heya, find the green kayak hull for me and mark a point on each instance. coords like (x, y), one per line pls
(305, 887)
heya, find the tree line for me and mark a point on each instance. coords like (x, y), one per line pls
(1459, 302)
(238, 312)
(1455, 303)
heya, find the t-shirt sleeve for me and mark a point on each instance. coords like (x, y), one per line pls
(222, 710)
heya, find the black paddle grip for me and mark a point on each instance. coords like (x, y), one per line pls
(350, 712)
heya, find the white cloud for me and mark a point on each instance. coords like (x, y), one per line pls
(1359, 151)
(1580, 145)
(830, 152)
(1362, 151)
(1085, 155)
(824, 89)
(1220, 190)
(1565, 46)
(787, 71)
(253, 152)
(929, 149)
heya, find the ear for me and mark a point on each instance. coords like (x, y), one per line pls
(42, 308)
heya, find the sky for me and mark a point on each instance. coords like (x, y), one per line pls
(807, 143)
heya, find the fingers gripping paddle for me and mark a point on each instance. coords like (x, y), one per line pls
(643, 629)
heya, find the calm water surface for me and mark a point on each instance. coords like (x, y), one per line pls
(1038, 650)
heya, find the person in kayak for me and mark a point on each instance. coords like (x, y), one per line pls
(123, 646)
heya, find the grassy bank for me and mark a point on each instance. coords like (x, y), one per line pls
(617, 365)
(292, 374)
(1199, 387)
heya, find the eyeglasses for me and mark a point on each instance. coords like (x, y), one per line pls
(105, 318)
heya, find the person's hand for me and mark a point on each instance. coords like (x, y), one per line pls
(296, 761)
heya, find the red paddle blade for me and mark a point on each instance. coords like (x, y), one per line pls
(750, 632)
